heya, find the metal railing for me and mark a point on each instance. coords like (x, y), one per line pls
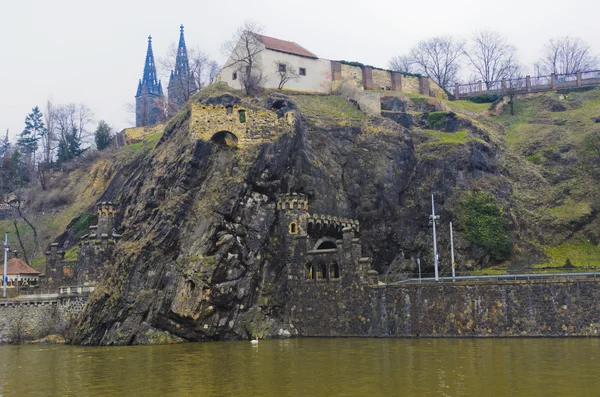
(527, 84)
(494, 278)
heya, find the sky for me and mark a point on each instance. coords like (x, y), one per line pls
(93, 52)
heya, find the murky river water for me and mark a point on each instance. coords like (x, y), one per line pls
(309, 367)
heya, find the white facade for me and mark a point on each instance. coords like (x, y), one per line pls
(317, 71)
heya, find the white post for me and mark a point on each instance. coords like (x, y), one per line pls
(452, 253)
(419, 263)
(6, 248)
(435, 252)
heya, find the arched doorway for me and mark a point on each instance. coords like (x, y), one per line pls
(225, 138)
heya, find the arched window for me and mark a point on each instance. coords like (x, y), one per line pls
(334, 270)
(321, 271)
(293, 228)
(309, 271)
(242, 115)
(326, 245)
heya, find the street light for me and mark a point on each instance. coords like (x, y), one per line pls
(433, 221)
(4, 278)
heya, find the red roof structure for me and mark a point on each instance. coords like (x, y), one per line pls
(16, 266)
(289, 47)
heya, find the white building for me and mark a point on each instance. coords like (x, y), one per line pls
(314, 74)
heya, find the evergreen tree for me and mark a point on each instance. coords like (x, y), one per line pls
(103, 135)
(16, 169)
(5, 146)
(69, 147)
(34, 128)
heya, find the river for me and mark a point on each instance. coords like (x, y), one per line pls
(309, 367)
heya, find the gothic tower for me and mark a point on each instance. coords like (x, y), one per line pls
(149, 99)
(181, 83)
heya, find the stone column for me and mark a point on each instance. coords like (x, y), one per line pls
(396, 81)
(336, 71)
(503, 85)
(553, 81)
(528, 83)
(579, 79)
(424, 85)
(479, 86)
(367, 76)
(456, 91)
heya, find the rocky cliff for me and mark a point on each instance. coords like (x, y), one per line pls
(200, 258)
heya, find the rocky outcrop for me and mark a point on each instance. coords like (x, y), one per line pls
(200, 259)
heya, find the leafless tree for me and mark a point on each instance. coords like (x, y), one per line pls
(491, 57)
(403, 63)
(567, 55)
(439, 58)
(515, 83)
(286, 73)
(66, 118)
(243, 51)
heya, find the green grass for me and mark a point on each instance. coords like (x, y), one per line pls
(582, 253)
(467, 106)
(435, 137)
(571, 210)
(72, 254)
(327, 106)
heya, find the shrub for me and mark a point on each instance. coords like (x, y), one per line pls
(485, 98)
(484, 223)
(436, 120)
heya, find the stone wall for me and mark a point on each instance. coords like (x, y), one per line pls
(382, 79)
(353, 73)
(410, 84)
(511, 309)
(28, 319)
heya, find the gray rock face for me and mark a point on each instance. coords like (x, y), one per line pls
(200, 258)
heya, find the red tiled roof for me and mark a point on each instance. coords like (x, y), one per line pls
(17, 266)
(288, 47)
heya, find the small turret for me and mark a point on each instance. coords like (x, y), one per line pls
(293, 209)
(106, 218)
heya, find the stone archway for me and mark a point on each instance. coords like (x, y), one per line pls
(225, 138)
(325, 243)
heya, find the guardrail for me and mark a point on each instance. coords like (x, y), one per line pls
(498, 278)
(527, 84)
(76, 290)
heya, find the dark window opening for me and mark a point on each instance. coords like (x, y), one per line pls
(327, 245)
(225, 138)
(278, 104)
(229, 109)
(242, 116)
(309, 271)
(334, 270)
(302, 72)
(293, 228)
(234, 76)
(321, 271)
(282, 68)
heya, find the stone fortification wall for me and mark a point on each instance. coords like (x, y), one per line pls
(382, 79)
(568, 308)
(28, 319)
(410, 84)
(353, 73)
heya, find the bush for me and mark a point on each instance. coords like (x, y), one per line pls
(436, 120)
(484, 223)
(485, 98)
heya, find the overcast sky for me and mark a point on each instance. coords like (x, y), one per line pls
(93, 52)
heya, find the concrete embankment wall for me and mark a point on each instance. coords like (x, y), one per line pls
(27, 319)
(511, 309)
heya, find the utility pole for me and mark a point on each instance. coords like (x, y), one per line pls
(6, 248)
(452, 253)
(433, 220)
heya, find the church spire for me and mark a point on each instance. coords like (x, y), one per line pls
(150, 80)
(182, 66)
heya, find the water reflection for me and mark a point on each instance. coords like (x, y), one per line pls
(308, 367)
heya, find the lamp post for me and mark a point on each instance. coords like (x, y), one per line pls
(433, 220)
(452, 254)
(6, 249)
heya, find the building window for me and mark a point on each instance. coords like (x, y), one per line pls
(293, 228)
(302, 72)
(282, 68)
(234, 76)
(242, 116)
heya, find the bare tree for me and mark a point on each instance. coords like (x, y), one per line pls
(515, 83)
(403, 63)
(491, 57)
(286, 73)
(567, 55)
(439, 58)
(67, 118)
(243, 51)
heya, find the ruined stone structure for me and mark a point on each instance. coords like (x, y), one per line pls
(182, 84)
(319, 248)
(95, 248)
(235, 125)
(149, 98)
